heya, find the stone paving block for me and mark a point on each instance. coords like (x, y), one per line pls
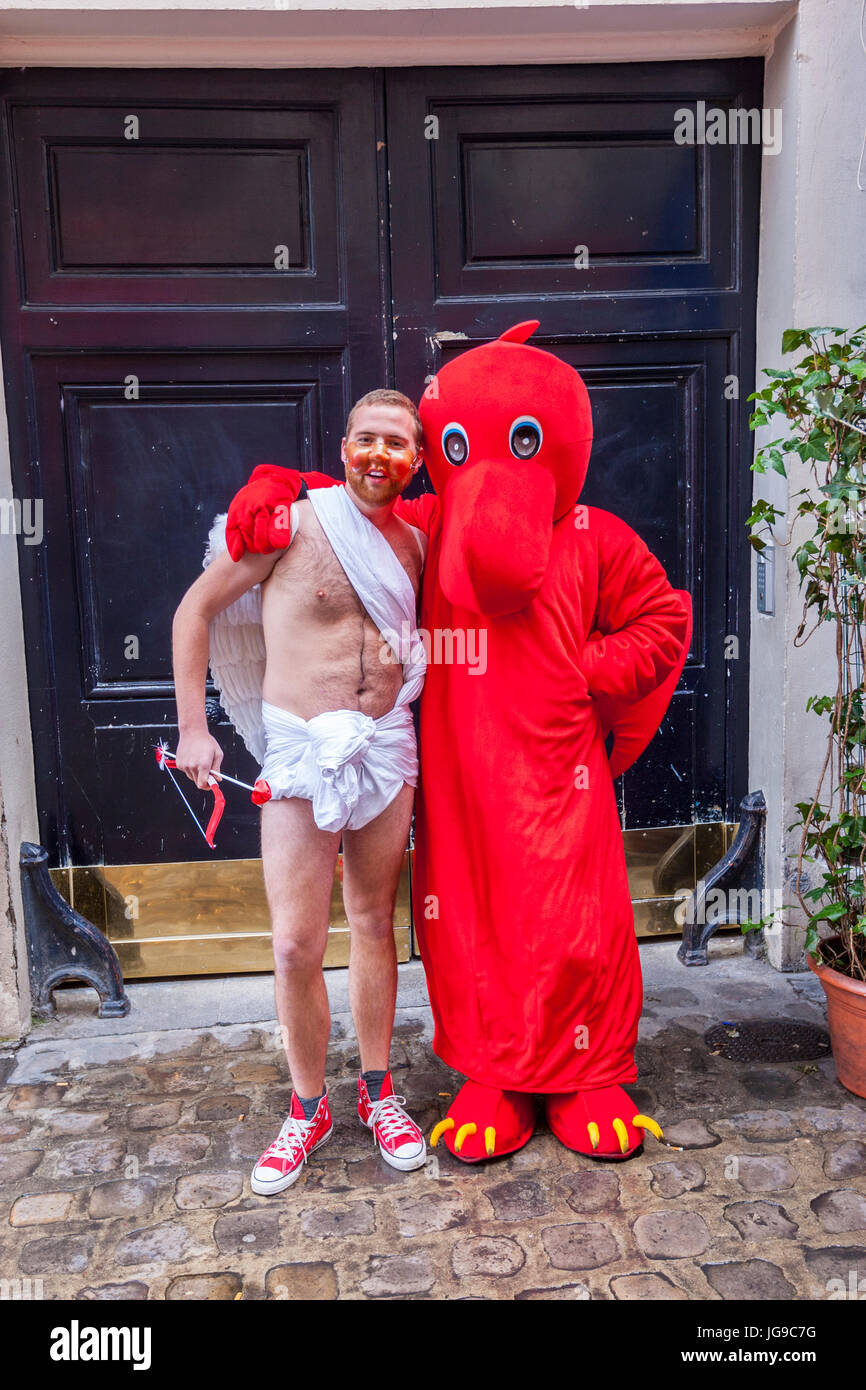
(691, 1134)
(674, 1178)
(254, 1073)
(10, 1130)
(493, 1257)
(315, 1281)
(748, 1279)
(249, 1138)
(19, 1163)
(133, 1197)
(518, 1201)
(57, 1254)
(225, 1107)
(38, 1063)
(120, 1292)
(172, 1150)
(763, 1172)
(235, 1038)
(638, 1287)
(560, 1293)
(64, 1122)
(828, 1121)
(100, 1052)
(373, 1171)
(839, 1211)
(763, 1125)
(419, 1216)
(225, 1285)
(349, 1219)
(166, 1079)
(389, 1276)
(761, 1221)
(595, 1189)
(579, 1245)
(198, 1190)
(158, 1114)
(88, 1156)
(671, 1235)
(41, 1208)
(36, 1097)
(243, 1232)
(178, 1043)
(836, 1269)
(166, 1243)
(847, 1160)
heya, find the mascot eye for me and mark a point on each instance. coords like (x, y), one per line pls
(524, 439)
(455, 445)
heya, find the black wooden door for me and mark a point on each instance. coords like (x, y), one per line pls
(210, 284)
(560, 194)
(197, 287)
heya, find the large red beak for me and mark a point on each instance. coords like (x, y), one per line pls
(496, 533)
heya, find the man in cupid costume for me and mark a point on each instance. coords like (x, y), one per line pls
(295, 645)
(521, 897)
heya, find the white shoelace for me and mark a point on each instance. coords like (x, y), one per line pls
(291, 1137)
(391, 1124)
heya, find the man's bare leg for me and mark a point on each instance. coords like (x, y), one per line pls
(298, 860)
(372, 859)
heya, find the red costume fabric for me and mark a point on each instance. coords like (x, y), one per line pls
(521, 899)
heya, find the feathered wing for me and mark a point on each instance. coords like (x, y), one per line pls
(237, 654)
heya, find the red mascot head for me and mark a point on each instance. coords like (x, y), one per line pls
(507, 437)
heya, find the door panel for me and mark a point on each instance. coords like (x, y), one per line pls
(524, 168)
(155, 353)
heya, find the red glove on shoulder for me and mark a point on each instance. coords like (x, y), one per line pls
(258, 515)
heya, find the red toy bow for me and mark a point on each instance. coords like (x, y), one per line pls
(260, 793)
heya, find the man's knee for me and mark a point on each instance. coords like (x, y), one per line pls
(296, 951)
(374, 921)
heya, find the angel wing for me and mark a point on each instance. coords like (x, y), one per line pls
(237, 652)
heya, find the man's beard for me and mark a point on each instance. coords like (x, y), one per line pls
(375, 494)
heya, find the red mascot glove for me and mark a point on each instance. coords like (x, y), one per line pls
(258, 517)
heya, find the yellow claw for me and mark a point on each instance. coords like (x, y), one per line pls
(490, 1140)
(621, 1133)
(439, 1130)
(592, 1131)
(463, 1134)
(644, 1122)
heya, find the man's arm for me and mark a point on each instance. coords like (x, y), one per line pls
(224, 581)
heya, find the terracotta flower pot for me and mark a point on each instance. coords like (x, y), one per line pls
(846, 1016)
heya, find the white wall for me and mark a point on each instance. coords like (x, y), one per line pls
(812, 272)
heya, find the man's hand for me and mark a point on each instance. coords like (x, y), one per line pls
(198, 755)
(258, 517)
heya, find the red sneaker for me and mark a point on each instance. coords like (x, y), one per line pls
(400, 1141)
(281, 1164)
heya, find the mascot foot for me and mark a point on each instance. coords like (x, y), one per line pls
(483, 1123)
(601, 1124)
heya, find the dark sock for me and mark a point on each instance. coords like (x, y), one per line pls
(373, 1081)
(312, 1105)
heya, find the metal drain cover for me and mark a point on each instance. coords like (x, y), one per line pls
(768, 1040)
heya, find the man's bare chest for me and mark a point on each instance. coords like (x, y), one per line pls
(310, 582)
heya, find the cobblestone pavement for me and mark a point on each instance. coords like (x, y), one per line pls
(125, 1160)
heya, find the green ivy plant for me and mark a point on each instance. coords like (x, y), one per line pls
(823, 404)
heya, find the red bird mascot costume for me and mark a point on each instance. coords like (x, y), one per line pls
(521, 899)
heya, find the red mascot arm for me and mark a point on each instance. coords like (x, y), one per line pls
(258, 518)
(633, 660)
(258, 515)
